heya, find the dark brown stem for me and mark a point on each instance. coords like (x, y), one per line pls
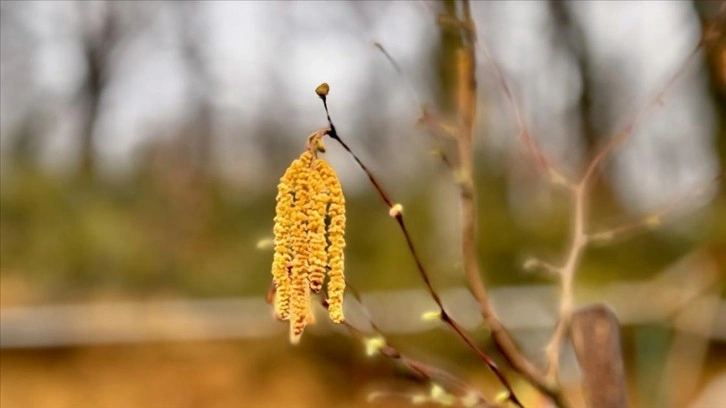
(501, 337)
(420, 267)
(422, 370)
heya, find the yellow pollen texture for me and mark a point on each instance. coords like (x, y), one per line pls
(306, 249)
(336, 242)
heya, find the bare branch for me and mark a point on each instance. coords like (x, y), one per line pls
(624, 133)
(395, 211)
(379, 344)
(411, 90)
(467, 115)
(653, 219)
(534, 264)
(578, 242)
(462, 134)
(579, 239)
(525, 133)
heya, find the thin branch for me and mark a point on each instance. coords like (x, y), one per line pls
(422, 370)
(622, 135)
(467, 116)
(579, 239)
(464, 177)
(536, 264)
(525, 134)
(653, 219)
(578, 243)
(411, 90)
(395, 212)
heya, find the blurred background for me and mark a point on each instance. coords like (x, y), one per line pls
(141, 144)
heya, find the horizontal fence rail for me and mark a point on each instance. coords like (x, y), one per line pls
(529, 308)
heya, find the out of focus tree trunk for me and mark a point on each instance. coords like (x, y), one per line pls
(569, 35)
(97, 46)
(16, 37)
(445, 57)
(713, 24)
(199, 132)
(713, 19)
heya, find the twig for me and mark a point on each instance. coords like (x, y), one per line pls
(579, 240)
(525, 134)
(579, 190)
(423, 371)
(396, 212)
(467, 115)
(411, 90)
(464, 177)
(651, 220)
(621, 136)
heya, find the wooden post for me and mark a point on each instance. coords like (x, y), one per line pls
(596, 338)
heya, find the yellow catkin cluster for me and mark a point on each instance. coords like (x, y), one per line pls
(306, 248)
(336, 240)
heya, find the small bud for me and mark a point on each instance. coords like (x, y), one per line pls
(420, 121)
(471, 399)
(438, 153)
(502, 397)
(653, 221)
(437, 391)
(319, 146)
(265, 243)
(431, 315)
(461, 178)
(557, 178)
(322, 89)
(439, 394)
(374, 345)
(395, 210)
(373, 396)
(603, 236)
(531, 264)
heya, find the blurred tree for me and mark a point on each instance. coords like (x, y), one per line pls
(443, 55)
(16, 37)
(198, 132)
(106, 30)
(98, 41)
(569, 35)
(714, 30)
(713, 22)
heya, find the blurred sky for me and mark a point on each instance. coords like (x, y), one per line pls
(265, 59)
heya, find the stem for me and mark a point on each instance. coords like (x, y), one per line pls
(467, 111)
(423, 370)
(445, 317)
(578, 243)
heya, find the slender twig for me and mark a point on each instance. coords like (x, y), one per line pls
(578, 242)
(500, 335)
(398, 215)
(621, 136)
(579, 239)
(411, 90)
(525, 134)
(578, 193)
(422, 370)
(536, 264)
(467, 116)
(652, 220)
